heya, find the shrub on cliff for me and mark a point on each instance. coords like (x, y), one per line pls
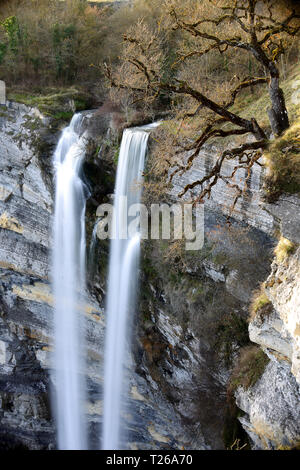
(231, 334)
(284, 248)
(282, 160)
(260, 305)
(249, 368)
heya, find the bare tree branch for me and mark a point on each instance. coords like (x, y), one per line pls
(212, 177)
(253, 27)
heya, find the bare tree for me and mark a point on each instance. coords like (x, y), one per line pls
(259, 28)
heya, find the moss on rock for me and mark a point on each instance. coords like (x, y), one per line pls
(58, 103)
(283, 164)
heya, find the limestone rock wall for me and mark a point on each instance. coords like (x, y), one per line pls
(27, 142)
(177, 384)
(249, 208)
(26, 315)
(272, 406)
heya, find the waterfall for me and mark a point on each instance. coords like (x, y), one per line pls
(122, 279)
(92, 251)
(69, 286)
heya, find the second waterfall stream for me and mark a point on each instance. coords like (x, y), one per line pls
(69, 281)
(122, 279)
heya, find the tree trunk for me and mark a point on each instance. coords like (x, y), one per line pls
(278, 115)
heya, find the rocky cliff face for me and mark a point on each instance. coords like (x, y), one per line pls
(209, 287)
(272, 405)
(25, 206)
(178, 375)
(249, 208)
(26, 302)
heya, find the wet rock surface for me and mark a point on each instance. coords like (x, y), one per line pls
(26, 310)
(177, 383)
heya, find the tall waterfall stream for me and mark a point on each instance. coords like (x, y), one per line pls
(69, 284)
(122, 279)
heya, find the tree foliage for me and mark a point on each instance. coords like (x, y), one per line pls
(223, 48)
(50, 42)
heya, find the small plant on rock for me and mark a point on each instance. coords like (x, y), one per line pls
(260, 305)
(284, 248)
(249, 368)
(231, 334)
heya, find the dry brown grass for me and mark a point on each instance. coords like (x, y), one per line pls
(282, 161)
(284, 248)
(260, 304)
(250, 367)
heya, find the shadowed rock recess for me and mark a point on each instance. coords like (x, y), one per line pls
(179, 370)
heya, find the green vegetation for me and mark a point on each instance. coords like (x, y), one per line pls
(49, 42)
(62, 43)
(12, 29)
(63, 115)
(282, 160)
(249, 368)
(116, 154)
(32, 123)
(59, 103)
(231, 334)
(148, 268)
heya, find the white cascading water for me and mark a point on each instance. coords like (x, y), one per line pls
(92, 251)
(122, 279)
(69, 286)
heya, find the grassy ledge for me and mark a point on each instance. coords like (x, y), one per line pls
(260, 305)
(57, 103)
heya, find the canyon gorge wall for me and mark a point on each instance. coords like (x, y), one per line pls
(178, 382)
